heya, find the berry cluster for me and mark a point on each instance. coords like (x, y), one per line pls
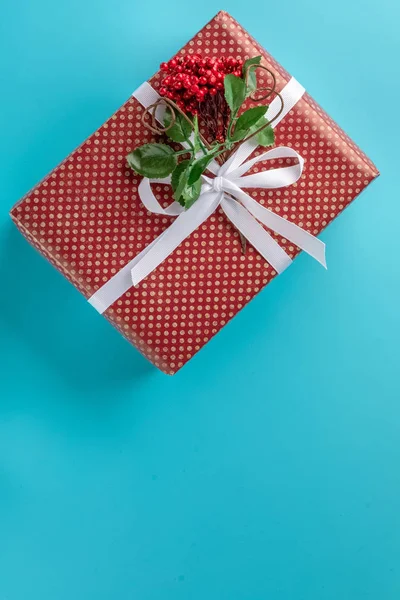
(190, 79)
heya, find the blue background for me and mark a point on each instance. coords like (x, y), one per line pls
(268, 468)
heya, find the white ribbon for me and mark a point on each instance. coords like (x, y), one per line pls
(224, 190)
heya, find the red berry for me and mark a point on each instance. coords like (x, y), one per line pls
(190, 78)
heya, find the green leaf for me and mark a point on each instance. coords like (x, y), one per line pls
(180, 130)
(152, 160)
(196, 135)
(260, 122)
(182, 182)
(191, 193)
(252, 78)
(266, 137)
(246, 121)
(198, 167)
(235, 91)
(250, 62)
(179, 169)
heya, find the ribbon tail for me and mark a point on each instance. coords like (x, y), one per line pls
(180, 229)
(256, 234)
(304, 240)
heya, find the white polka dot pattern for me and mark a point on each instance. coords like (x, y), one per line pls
(86, 218)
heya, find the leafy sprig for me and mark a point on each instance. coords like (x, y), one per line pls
(159, 160)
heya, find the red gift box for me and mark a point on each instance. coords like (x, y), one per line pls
(87, 219)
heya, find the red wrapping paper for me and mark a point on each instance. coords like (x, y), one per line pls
(86, 217)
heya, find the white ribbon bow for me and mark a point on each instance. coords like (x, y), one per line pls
(246, 214)
(224, 190)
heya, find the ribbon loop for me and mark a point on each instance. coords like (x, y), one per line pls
(150, 201)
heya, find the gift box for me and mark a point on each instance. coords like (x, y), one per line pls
(87, 217)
